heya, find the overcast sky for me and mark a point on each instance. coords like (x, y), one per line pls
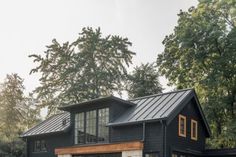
(27, 26)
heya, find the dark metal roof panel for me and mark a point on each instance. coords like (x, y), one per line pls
(153, 107)
(51, 125)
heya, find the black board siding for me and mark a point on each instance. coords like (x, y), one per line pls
(126, 133)
(52, 141)
(186, 144)
(153, 138)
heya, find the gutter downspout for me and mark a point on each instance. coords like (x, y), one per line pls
(144, 128)
(163, 122)
(26, 147)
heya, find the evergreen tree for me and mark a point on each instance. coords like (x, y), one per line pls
(90, 67)
(143, 81)
(16, 115)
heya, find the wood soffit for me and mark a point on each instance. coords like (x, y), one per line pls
(102, 148)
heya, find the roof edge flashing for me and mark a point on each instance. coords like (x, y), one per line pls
(92, 101)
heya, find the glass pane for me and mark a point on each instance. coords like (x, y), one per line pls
(91, 117)
(43, 146)
(37, 146)
(151, 155)
(79, 128)
(103, 130)
(182, 126)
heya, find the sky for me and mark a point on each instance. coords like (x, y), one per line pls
(27, 26)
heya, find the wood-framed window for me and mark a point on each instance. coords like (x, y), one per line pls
(194, 130)
(182, 126)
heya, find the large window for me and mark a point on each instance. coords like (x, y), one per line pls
(194, 130)
(90, 127)
(91, 118)
(182, 126)
(40, 146)
(103, 119)
(79, 128)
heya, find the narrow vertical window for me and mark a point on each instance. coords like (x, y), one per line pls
(43, 146)
(37, 146)
(103, 130)
(91, 118)
(79, 128)
(182, 126)
(194, 130)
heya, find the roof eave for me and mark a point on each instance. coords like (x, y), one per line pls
(47, 133)
(137, 122)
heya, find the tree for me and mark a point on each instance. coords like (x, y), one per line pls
(143, 81)
(16, 112)
(90, 67)
(201, 53)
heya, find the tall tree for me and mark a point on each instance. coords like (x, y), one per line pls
(87, 68)
(201, 53)
(143, 81)
(16, 115)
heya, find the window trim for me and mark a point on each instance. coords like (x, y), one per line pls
(196, 131)
(179, 126)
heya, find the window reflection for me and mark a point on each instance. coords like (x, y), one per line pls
(102, 122)
(91, 117)
(90, 127)
(79, 128)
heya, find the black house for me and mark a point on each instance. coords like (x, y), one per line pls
(162, 125)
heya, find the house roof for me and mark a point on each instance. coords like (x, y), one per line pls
(164, 106)
(220, 152)
(101, 99)
(153, 107)
(56, 123)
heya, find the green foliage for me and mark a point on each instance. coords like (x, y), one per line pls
(17, 115)
(143, 81)
(201, 53)
(90, 67)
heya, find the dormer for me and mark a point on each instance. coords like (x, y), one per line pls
(90, 118)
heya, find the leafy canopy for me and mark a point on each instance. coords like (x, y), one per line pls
(18, 113)
(90, 67)
(201, 53)
(144, 81)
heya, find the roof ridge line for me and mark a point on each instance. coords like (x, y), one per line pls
(148, 96)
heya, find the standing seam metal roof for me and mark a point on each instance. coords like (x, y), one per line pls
(50, 125)
(153, 107)
(149, 108)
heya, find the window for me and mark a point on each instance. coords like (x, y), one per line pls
(151, 155)
(91, 118)
(174, 155)
(194, 130)
(103, 119)
(79, 128)
(90, 127)
(40, 146)
(182, 126)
